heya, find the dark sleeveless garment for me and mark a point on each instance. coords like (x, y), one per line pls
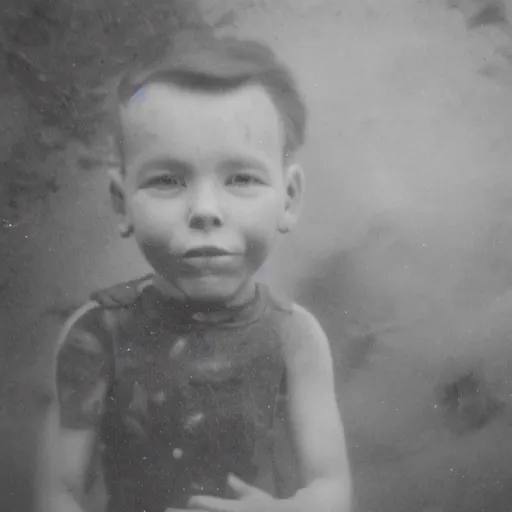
(190, 397)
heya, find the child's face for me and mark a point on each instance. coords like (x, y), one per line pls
(205, 191)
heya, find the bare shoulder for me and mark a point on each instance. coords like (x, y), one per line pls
(307, 343)
(312, 406)
(304, 319)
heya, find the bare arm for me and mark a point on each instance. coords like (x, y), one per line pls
(65, 456)
(82, 373)
(316, 421)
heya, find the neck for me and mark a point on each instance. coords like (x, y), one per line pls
(242, 296)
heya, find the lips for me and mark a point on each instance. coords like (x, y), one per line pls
(207, 252)
(210, 259)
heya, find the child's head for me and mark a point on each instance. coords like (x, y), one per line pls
(207, 179)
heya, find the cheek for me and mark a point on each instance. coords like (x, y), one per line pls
(260, 229)
(154, 220)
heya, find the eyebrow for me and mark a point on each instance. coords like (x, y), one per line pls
(229, 164)
(166, 164)
(239, 163)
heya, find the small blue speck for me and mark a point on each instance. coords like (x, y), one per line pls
(141, 94)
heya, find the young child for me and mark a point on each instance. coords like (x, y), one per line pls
(175, 383)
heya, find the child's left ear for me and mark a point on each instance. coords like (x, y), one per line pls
(294, 190)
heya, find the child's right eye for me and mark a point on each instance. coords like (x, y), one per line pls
(166, 181)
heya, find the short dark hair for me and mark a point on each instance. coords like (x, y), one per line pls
(198, 60)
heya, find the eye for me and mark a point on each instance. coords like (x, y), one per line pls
(167, 181)
(244, 180)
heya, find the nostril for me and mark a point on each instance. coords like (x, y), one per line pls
(205, 221)
(197, 222)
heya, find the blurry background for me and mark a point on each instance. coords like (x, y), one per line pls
(403, 252)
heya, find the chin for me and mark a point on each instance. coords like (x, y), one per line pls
(211, 291)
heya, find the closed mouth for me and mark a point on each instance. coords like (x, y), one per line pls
(207, 252)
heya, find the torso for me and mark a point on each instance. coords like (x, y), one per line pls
(191, 401)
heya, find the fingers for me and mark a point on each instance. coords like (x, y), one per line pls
(244, 494)
(238, 487)
(212, 504)
(241, 489)
(182, 510)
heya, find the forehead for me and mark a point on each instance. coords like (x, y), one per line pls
(163, 118)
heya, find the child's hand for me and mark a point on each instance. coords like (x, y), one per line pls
(246, 499)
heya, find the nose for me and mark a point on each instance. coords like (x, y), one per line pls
(205, 212)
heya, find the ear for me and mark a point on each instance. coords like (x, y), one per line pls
(118, 199)
(294, 191)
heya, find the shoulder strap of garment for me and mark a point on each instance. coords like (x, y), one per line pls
(120, 295)
(72, 319)
(115, 303)
(103, 313)
(114, 297)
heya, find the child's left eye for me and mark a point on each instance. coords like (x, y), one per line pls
(244, 180)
